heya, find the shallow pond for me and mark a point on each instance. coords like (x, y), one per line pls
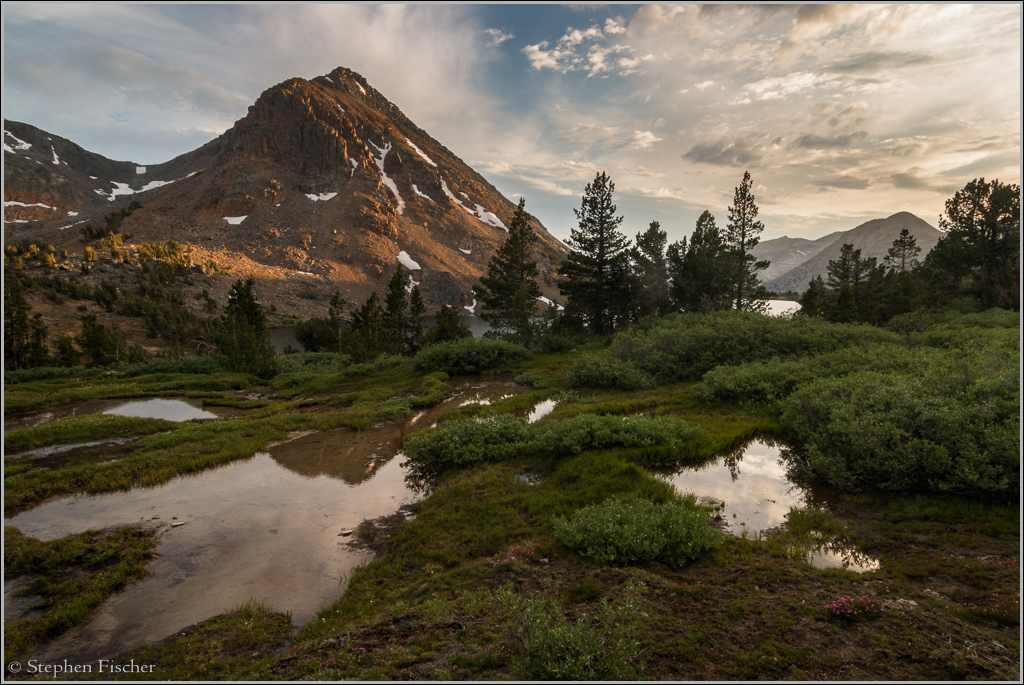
(171, 409)
(754, 485)
(253, 529)
(269, 528)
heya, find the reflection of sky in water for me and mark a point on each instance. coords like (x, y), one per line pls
(752, 483)
(253, 529)
(171, 410)
(836, 555)
(540, 410)
(755, 490)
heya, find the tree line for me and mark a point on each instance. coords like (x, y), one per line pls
(976, 264)
(608, 283)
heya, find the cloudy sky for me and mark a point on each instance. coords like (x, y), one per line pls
(841, 113)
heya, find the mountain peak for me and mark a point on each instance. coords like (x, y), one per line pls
(325, 179)
(873, 238)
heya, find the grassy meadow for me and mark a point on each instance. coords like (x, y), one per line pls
(552, 550)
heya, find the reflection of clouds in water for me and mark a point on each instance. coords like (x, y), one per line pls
(253, 529)
(837, 554)
(752, 482)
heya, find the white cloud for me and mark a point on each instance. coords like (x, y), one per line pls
(498, 37)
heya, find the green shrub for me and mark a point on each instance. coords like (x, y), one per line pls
(182, 365)
(605, 371)
(432, 389)
(591, 432)
(604, 644)
(469, 356)
(461, 443)
(939, 431)
(685, 347)
(393, 410)
(632, 530)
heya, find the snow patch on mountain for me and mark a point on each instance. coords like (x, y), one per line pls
(153, 185)
(444, 187)
(139, 170)
(407, 261)
(465, 251)
(322, 197)
(235, 220)
(421, 193)
(480, 213)
(19, 144)
(15, 203)
(421, 153)
(489, 219)
(383, 152)
(56, 159)
(119, 189)
(471, 308)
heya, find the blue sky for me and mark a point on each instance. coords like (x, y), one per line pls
(841, 113)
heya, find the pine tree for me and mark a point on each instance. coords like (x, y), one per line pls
(849, 268)
(508, 292)
(395, 319)
(16, 325)
(415, 328)
(741, 236)
(595, 270)
(982, 222)
(447, 327)
(700, 269)
(903, 253)
(242, 336)
(650, 267)
(319, 333)
(813, 302)
(364, 338)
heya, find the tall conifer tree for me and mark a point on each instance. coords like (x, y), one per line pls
(741, 236)
(651, 271)
(596, 269)
(508, 292)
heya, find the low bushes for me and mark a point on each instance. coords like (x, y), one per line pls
(591, 432)
(632, 530)
(685, 347)
(460, 443)
(469, 356)
(600, 645)
(898, 432)
(432, 389)
(605, 371)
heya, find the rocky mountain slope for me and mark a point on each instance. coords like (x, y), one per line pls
(873, 238)
(786, 253)
(324, 185)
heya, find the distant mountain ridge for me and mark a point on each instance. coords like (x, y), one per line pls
(323, 185)
(796, 261)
